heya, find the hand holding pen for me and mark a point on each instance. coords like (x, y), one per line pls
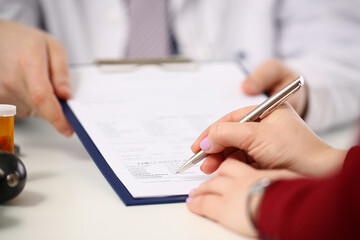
(257, 113)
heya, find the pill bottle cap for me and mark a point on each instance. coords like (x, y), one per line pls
(7, 110)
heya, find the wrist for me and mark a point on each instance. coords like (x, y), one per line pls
(326, 162)
(334, 160)
(255, 196)
(254, 207)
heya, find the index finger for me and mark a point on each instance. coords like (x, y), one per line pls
(233, 116)
(42, 95)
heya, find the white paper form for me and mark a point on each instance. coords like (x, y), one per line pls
(144, 122)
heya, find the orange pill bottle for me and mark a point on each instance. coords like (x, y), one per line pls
(7, 113)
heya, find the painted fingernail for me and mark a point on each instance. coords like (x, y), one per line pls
(204, 144)
(191, 192)
(188, 200)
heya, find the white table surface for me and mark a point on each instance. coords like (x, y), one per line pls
(66, 196)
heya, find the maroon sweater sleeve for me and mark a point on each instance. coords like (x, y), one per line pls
(314, 209)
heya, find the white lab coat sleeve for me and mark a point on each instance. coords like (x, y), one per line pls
(24, 11)
(321, 40)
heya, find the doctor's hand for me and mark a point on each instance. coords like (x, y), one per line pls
(280, 140)
(34, 74)
(223, 198)
(270, 77)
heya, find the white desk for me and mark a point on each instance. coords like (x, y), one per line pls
(66, 196)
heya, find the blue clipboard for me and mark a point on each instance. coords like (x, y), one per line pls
(106, 170)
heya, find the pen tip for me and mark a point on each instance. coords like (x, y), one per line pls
(177, 172)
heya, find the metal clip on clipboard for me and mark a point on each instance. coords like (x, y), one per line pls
(172, 64)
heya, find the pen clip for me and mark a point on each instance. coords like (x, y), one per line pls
(278, 103)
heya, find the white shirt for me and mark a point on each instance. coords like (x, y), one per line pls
(318, 38)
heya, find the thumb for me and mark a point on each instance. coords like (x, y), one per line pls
(268, 77)
(223, 135)
(234, 168)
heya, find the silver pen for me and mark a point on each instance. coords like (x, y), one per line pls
(257, 113)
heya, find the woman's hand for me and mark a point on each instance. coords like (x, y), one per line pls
(281, 140)
(223, 198)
